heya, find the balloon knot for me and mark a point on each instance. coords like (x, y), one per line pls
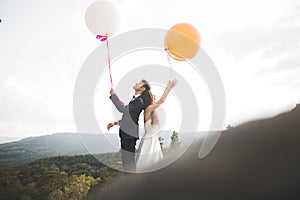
(102, 38)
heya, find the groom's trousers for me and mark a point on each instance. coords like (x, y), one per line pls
(128, 153)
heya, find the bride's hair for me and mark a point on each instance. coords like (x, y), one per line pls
(153, 114)
(154, 118)
(147, 98)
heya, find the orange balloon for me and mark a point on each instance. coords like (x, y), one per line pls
(182, 41)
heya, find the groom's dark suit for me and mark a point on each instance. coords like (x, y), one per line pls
(129, 129)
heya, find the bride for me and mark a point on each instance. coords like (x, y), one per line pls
(149, 151)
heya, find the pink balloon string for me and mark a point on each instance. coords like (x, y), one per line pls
(103, 38)
(121, 102)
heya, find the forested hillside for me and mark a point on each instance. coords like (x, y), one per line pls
(62, 177)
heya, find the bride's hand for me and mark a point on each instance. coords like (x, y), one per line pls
(172, 83)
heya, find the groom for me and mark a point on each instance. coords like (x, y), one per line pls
(129, 127)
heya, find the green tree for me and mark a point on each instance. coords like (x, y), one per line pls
(10, 186)
(57, 194)
(175, 143)
(161, 139)
(76, 188)
(50, 179)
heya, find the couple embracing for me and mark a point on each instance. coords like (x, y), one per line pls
(149, 151)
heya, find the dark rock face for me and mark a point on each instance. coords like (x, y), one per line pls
(257, 160)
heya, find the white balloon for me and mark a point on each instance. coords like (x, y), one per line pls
(103, 17)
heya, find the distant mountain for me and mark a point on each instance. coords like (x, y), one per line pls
(6, 139)
(32, 148)
(257, 160)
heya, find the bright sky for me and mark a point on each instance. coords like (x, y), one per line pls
(254, 44)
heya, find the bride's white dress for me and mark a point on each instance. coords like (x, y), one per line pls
(149, 152)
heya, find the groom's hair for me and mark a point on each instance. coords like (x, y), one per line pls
(146, 85)
(146, 95)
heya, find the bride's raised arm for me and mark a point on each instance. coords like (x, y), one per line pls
(162, 99)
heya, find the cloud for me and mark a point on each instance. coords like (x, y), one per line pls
(278, 38)
(39, 64)
(45, 45)
(288, 63)
(249, 40)
(271, 51)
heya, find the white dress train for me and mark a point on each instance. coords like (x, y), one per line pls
(149, 152)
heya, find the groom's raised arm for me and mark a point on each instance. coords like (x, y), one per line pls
(116, 101)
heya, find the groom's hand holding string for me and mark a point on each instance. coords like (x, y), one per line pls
(112, 91)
